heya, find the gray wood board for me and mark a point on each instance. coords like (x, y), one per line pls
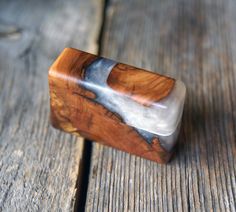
(194, 41)
(39, 166)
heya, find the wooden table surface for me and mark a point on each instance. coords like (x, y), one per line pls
(42, 169)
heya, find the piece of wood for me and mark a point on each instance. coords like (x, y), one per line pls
(142, 86)
(39, 166)
(104, 100)
(194, 41)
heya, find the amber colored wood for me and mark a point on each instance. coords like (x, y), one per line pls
(74, 110)
(145, 87)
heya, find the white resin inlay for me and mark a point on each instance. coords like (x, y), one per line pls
(162, 118)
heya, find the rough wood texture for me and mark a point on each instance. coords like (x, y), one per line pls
(194, 41)
(75, 107)
(39, 166)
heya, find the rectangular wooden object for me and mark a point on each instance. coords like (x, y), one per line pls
(118, 105)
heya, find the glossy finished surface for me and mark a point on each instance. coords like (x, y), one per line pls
(128, 108)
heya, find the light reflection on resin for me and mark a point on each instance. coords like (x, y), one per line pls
(161, 119)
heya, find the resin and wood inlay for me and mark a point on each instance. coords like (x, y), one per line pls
(128, 108)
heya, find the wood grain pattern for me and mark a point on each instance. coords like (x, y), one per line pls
(74, 110)
(196, 42)
(142, 86)
(39, 166)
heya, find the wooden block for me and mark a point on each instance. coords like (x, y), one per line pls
(118, 105)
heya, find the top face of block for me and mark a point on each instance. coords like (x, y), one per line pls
(144, 100)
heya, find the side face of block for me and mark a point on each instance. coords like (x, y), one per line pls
(118, 105)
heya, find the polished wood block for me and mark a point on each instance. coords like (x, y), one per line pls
(115, 104)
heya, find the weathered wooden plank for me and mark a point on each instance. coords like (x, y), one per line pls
(39, 166)
(196, 42)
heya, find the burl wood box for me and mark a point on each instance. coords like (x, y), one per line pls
(115, 104)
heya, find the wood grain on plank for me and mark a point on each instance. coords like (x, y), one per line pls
(39, 166)
(196, 42)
